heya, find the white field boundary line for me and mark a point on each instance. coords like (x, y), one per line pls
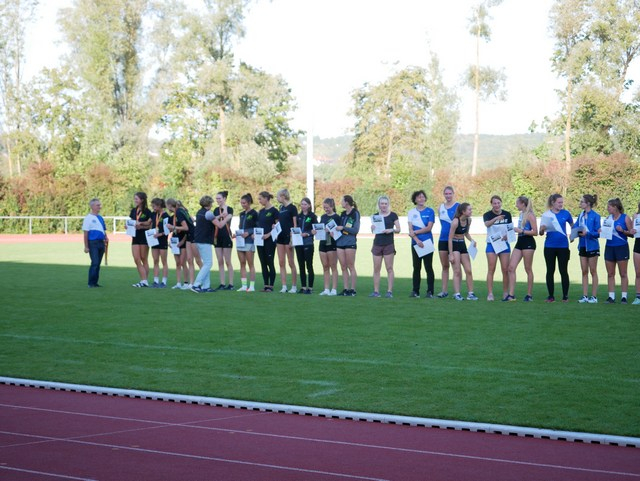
(42, 473)
(503, 429)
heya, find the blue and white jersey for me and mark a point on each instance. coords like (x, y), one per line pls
(559, 239)
(94, 224)
(618, 238)
(591, 222)
(446, 217)
(420, 219)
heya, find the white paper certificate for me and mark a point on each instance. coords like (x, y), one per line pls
(333, 229)
(472, 250)
(377, 221)
(131, 227)
(151, 240)
(240, 241)
(606, 231)
(174, 246)
(575, 231)
(258, 232)
(550, 222)
(636, 226)
(275, 232)
(427, 248)
(165, 222)
(321, 234)
(511, 233)
(296, 236)
(498, 244)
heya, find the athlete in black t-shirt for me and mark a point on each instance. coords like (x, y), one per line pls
(222, 239)
(139, 247)
(288, 218)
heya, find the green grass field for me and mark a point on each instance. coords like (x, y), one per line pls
(559, 366)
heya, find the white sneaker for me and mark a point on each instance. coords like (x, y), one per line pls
(636, 302)
(594, 300)
(326, 292)
(186, 287)
(177, 286)
(283, 290)
(293, 290)
(251, 289)
(243, 289)
(583, 300)
(490, 297)
(333, 292)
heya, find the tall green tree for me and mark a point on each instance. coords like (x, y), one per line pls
(485, 82)
(15, 15)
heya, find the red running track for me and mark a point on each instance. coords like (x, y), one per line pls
(57, 435)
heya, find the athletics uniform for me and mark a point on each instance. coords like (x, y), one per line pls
(328, 245)
(525, 241)
(383, 243)
(617, 248)
(350, 227)
(420, 219)
(497, 228)
(158, 224)
(179, 217)
(588, 245)
(304, 253)
(96, 228)
(446, 216)
(459, 245)
(248, 220)
(222, 236)
(266, 253)
(140, 216)
(287, 214)
(556, 246)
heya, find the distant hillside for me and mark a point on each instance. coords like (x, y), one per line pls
(494, 151)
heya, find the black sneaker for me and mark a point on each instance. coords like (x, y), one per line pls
(623, 300)
(229, 287)
(345, 292)
(352, 292)
(610, 300)
(414, 294)
(220, 287)
(428, 295)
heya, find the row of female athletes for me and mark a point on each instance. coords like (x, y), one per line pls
(192, 244)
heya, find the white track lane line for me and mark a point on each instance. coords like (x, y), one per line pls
(203, 458)
(42, 473)
(324, 441)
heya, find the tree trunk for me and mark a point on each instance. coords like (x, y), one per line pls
(476, 137)
(567, 128)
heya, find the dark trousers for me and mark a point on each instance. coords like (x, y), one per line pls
(562, 254)
(266, 254)
(304, 254)
(96, 251)
(417, 271)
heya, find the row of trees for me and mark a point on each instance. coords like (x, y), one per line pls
(151, 97)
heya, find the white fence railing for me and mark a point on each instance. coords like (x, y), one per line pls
(64, 218)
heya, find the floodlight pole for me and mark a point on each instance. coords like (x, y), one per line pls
(310, 186)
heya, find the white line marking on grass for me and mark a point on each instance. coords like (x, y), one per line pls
(42, 473)
(342, 360)
(317, 383)
(210, 458)
(326, 392)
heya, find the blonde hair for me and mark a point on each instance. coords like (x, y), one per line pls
(528, 205)
(384, 197)
(285, 194)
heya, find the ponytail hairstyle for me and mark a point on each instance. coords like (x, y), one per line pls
(592, 200)
(247, 198)
(157, 201)
(552, 199)
(266, 195)
(349, 200)
(528, 205)
(460, 210)
(332, 203)
(143, 198)
(224, 194)
(206, 201)
(617, 203)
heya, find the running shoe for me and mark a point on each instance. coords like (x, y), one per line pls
(472, 297)
(583, 300)
(186, 287)
(326, 292)
(140, 284)
(293, 290)
(208, 290)
(623, 300)
(177, 286)
(508, 298)
(333, 292)
(243, 289)
(220, 287)
(442, 295)
(374, 294)
(352, 293)
(196, 289)
(414, 294)
(528, 298)
(550, 299)
(163, 285)
(565, 299)
(490, 298)
(428, 295)
(345, 292)
(251, 289)
(284, 290)
(155, 285)
(592, 300)
(611, 300)
(458, 297)
(308, 291)
(229, 287)
(389, 295)
(636, 302)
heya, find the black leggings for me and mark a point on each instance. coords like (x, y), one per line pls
(266, 254)
(550, 256)
(304, 254)
(417, 268)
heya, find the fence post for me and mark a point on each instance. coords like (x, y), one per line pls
(65, 225)
(30, 225)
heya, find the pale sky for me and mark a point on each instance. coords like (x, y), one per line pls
(325, 49)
